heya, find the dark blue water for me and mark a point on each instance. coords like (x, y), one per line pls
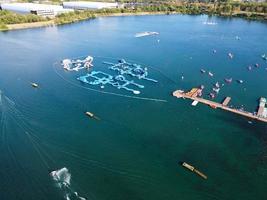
(134, 151)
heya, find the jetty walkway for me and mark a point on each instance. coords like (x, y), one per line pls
(193, 95)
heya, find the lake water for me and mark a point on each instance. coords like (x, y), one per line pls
(134, 151)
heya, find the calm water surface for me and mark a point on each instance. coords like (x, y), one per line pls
(134, 151)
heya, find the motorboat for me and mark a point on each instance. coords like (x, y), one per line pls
(35, 85)
(193, 169)
(217, 85)
(210, 74)
(146, 33)
(217, 90)
(228, 80)
(212, 95)
(231, 55)
(203, 71)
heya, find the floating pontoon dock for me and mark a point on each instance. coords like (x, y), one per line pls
(193, 95)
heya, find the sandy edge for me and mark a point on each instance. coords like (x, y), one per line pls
(52, 23)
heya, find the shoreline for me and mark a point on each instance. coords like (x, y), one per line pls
(21, 26)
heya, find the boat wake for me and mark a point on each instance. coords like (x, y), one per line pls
(62, 178)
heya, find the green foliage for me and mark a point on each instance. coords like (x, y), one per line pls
(247, 10)
(3, 27)
(71, 17)
(7, 17)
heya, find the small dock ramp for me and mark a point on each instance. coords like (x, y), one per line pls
(226, 101)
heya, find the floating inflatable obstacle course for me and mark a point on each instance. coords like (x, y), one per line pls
(76, 65)
(120, 74)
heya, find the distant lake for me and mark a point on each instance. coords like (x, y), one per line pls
(134, 151)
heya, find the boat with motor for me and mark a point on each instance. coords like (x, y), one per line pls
(203, 71)
(209, 23)
(193, 169)
(212, 95)
(146, 33)
(257, 65)
(228, 80)
(210, 74)
(217, 90)
(240, 81)
(91, 115)
(231, 55)
(264, 57)
(35, 85)
(217, 85)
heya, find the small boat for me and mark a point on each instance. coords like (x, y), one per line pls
(146, 33)
(240, 81)
(228, 80)
(193, 169)
(217, 90)
(210, 74)
(35, 85)
(257, 65)
(203, 71)
(231, 55)
(91, 115)
(249, 68)
(214, 51)
(237, 38)
(264, 57)
(212, 95)
(201, 87)
(209, 23)
(217, 85)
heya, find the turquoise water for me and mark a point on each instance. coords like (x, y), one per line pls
(134, 151)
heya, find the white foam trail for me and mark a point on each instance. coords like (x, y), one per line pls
(62, 178)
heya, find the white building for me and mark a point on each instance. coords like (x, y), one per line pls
(89, 5)
(38, 9)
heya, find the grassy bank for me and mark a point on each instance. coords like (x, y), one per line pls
(251, 11)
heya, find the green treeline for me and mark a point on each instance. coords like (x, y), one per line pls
(255, 11)
(71, 17)
(7, 17)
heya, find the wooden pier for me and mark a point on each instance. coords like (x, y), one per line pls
(192, 95)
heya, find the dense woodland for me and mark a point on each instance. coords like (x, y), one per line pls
(255, 11)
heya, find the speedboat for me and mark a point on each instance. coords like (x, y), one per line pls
(228, 80)
(240, 81)
(212, 95)
(35, 85)
(217, 90)
(210, 74)
(202, 71)
(146, 33)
